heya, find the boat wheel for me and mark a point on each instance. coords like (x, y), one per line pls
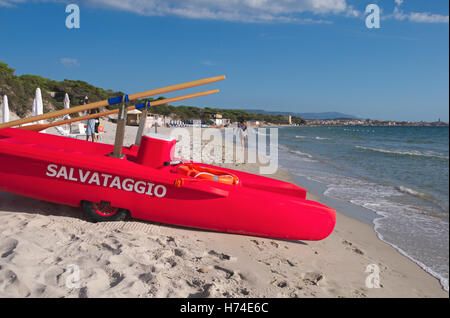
(103, 211)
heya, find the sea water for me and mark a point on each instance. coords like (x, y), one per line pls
(399, 173)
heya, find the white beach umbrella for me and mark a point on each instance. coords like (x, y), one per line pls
(33, 108)
(66, 101)
(66, 105)
(38, 105)
(5, 109)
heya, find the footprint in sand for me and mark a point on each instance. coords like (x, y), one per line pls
(274, 244)
(7, 247)
(312, 278)
(171, 262)
(114, 251)
(82, 293)
(171, 241)
(358, 293)
(258, 244)
(205, 291)
(244, 292)
(228, 272)
(288, 262)
(282, 284)
(179, 252)
(52, 275)
(221, 256)
(146, 278)
(249, 277)
(115, 278)
(39, 290)
(11, 284)
(352, 247)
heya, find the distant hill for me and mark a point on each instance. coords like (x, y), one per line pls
(308, 116)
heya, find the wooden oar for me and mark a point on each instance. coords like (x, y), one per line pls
(39, 127)
(111, 101)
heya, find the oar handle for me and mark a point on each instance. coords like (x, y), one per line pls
(39, 127)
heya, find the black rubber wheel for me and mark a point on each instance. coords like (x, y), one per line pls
(101, 212)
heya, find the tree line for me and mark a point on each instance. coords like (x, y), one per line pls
(21, 91)
(206, 115)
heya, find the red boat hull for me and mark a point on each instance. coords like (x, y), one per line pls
(69, 171)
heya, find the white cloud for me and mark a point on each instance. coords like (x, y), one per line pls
(420, 17)
(208, 63)
(69, 62)
(10, 3)
(426, 17)
(250, 11)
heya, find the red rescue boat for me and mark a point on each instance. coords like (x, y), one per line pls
(147, 184)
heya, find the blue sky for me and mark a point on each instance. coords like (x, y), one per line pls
(299, 55)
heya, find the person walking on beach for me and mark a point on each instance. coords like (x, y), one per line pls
(243, 130)
(90, 124)
(96, 132)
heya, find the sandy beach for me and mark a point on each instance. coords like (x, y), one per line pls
(42, 243)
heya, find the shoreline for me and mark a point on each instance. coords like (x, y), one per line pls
(145, 259)
(383, 209)
(357, 219)
(365, 216)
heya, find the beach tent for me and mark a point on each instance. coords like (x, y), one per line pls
(134, 117)
(5, 110)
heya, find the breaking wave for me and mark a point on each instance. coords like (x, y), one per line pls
(404, 153)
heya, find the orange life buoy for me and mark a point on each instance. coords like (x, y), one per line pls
(205, 173)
